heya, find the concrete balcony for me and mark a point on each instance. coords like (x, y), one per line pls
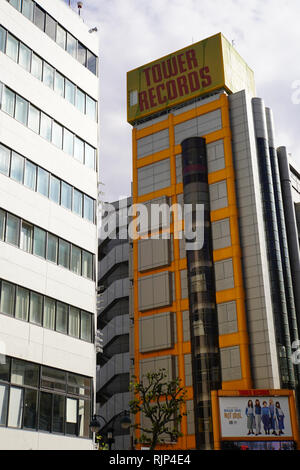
(119, 254)
(117, 290)
(117, 327)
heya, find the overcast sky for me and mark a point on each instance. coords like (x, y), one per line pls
(133, 32)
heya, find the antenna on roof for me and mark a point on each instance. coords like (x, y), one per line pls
(79, 5)
(233, 43)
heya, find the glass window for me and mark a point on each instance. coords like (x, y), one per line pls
(36, 308)
(5, 368)
(8, 101)
(21, 114)
(64, 254)
(36, 67)
(82, 54)
(45, 412)
(66, 195)
(77, 202)
(27, 9)
(53, 379)
(57, 133)
(30, 175)
(46, 127)
(39, 17)
(15, 412)
(2, 224)
(71, 45)
(48, 75)
(84, 412)
(16, 4)
(71, 416)
(87, 264)
(25, 57)
(79, 149)
(2, 39)
(7, 298)
(91, 107)
(30, 408)
(79, 385)
(39, 242)
(50, 28)
(74, 322)
(12, 229)
(49, 313)
(86, 326)
(43, 182)
(4, 160)
(61, 318)
(58, 413)
(17, 167)
(26, 237)
(92, 62)
(61, 37)
(59, 85)
(24, 373)
(34, 119)
(70, 91)
(22, 303)
(76, 260)
(88, 208)
(68, 142)
(80, 100)
(52, 248)
(89, 156)
(12, 47)
(3, 404)
(54, 189)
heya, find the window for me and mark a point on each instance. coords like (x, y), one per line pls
(71, 45)
(26, 237)
(39, 242)
(34, 119)
(91, 108)
(5, 369)
(71, 416)
(12, 229)
(2, 39)
(76, 260)
(30, 409)
(3, 404)
(88, 208)
(59, 84)
(50, 28)
(64, 254)
(30, 175)
(25, 57)
(21, 110)
(12, 47)
(46, 127)
(68, 142)
(92, 62)
(39, 17)
(36, 308)
(66, 195)
(43, 182)
(82, 54)
(79, 149)
(27, 9)
(17, 167)
(70, 91)
(74, 322)
(8, 101)
(54, 189)
(86, 326)
(54, 379)
(45, 412)
(49, 313)
(57, 133)
(89, 156)
(7, 298)
(87, 264)
(22, 304)
(77, 202)
(62, 318)
(58, 413)
(2, 224)
(52, 248)
(84, 417)
(15, 413)
(4, 160)
(61, 36)
(80, 100)
(24, 373)
(36, 67)
(16, 4)
(48, 75)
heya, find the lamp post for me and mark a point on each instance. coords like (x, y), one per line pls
(95, 425)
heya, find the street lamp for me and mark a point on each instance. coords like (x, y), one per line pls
(95, 425)
(125, 423)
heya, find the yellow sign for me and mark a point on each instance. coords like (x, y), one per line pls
(198, 69)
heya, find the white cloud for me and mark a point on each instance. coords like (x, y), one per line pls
(134, 32)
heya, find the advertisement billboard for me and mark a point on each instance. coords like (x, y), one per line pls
(198, 69)
(255, 416)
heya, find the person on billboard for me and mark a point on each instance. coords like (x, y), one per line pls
(250, 417)
(265, 417)
(272, 416)
(280, 417)
(257, 412)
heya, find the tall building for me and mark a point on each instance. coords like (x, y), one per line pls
(114, 323)
(48, 236)
(223, 317)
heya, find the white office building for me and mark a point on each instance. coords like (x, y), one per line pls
(48, 235)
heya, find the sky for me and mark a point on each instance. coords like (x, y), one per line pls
(131, 33)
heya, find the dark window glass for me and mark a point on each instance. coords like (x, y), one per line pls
(7, 298)
(53, 379)
(52, 248)
(17, 167)
(86, 326)
(87, 264)
(39, 242)
(2, 225)
(64, 254)
(43, 182)
(26, 237)
(3, 403)
(24, 373)
(12, 229)
(45, 413)
(76, 260)
(58, 413)
(74, 322)
(50, 28)
(36, 308)
(2, 39)
(61, 317)
(49, 313)
(39, 17)
(30, 408)
(22, 304)
(82, 54)
(92, 62)
(5, 368)
(79, 385)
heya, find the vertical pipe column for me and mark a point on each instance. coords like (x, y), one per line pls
(202, 297)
